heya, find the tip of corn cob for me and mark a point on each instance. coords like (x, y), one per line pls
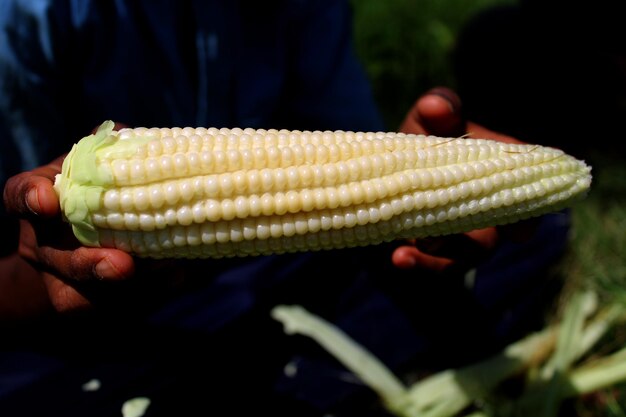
(197, 192)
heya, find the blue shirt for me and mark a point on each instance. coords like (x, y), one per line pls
(65, 66)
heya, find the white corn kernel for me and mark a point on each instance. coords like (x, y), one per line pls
(197, 192)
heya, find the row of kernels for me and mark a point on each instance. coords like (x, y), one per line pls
(265, 229)
(153, 196)
(322, 231)
(281, 203)
(236, 137)
(151, 169)
(163, 132)
(226, 185)
(220, 141)
(304, 179)
(137, 171)
(269, 205)
(368, 144)
(289, 233)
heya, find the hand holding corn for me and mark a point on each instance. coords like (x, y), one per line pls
(196, 192)
(439, 112)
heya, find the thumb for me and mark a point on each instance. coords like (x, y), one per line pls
(438, 112)
(31, 193)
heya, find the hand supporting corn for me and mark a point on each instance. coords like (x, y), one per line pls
(198, 193)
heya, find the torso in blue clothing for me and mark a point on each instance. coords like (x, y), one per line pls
(65, 66)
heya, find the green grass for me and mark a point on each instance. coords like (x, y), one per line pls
(598, 256)
(597, 260)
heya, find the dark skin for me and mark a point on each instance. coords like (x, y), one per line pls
(439, 113)
(55, 272)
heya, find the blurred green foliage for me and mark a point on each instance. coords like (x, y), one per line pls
(405, 46)
(597, 256)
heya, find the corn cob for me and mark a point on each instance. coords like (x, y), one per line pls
(197, 193)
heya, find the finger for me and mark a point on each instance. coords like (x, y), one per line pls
(442, 253)
(71, 262)
(438, 112)
(471, 246)
(408, 257)
(85, 264)
(49, 245)
(32, 193)
(412, 122)
(63, 297)
(136, 294)
(153, 284)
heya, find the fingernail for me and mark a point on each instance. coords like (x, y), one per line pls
(104, 269)
(451, 98)
(32, 201)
